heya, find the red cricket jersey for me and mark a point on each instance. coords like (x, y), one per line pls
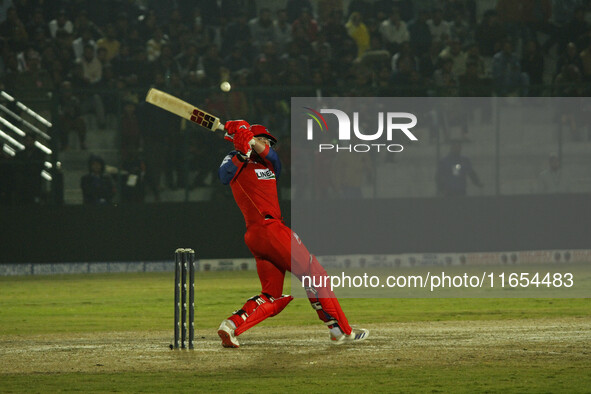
(254, 184)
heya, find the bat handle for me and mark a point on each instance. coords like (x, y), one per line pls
(251, 143)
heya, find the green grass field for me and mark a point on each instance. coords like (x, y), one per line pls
(99, 333)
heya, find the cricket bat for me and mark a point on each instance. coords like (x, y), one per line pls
(183, 109)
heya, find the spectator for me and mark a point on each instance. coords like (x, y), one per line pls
(460, 29)
(201, 34)
(420, 33)
(155, 43)
(65, 55)
(5, 5)
(101, 55)
(568, 83)
(305, 28)
(236, 61)
(472, 84)
(294, 51)
(90, 102)
(327, 74)
(70, 117)
(394, 32)
(552, 180)
(489, 34)
(40, 39)
(155, 128)
(439, 28)
(79, 43)
(34, 81)
(133, 185)
(188, 59)
(124, 65)
(61, 25)
(575, 30)
(445, 80)
(429, 61)
(405, 51)
(457, 56)
(536, 18)
(570, 56)
(211, 64)
(97, 187)
(176, 29)
(510, 14)
(358, 32)
(405, 7)
(110, 89)
(269, 60)
(262, 28)
(131, 137)
(450, 8)
(363, 7)
(92, 68)
(586, 61)
(82, 23)
(28, 164)
(334, 31)
(13, 30)
(237, 99)
(402, 77)
(453, 171)
(237, 32)
(533, 65)
(149, 24)
(473, 55)
(166, 64)
(37, 22)
(507, 75)
(294, 8)
(282, 30)
(143, 70)
(109, 42)
(564, 10)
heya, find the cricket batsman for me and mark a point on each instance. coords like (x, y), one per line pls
(275, 247)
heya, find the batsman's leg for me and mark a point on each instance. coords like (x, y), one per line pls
(254, 311)
(258, 308)
(322, 299)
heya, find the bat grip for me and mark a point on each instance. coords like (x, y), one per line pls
(252, 142)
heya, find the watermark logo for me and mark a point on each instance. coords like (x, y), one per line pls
(388, 124)
(317, 117)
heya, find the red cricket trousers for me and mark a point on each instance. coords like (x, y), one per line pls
(277, 249)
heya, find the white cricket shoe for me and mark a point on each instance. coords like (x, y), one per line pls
(226, 333)
(357, 334)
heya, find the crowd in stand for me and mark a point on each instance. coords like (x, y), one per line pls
(101, 56)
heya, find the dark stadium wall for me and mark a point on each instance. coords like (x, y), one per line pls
(151, 232)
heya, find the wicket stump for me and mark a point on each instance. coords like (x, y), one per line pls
(184, 262)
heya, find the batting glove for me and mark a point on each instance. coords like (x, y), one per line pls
(242, 140)
(234, 126)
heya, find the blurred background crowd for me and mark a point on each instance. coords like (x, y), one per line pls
(87, 65)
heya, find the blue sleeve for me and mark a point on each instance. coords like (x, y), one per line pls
(227, 169)
(273, 158)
